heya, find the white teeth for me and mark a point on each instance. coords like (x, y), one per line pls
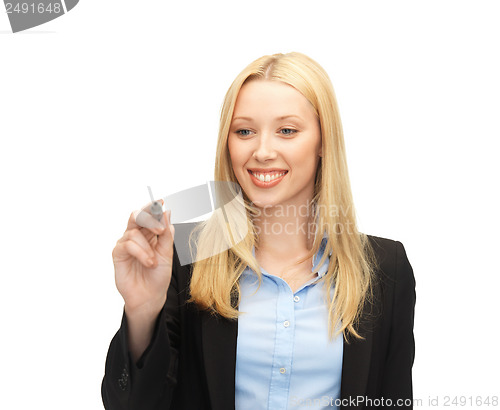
(267, 177)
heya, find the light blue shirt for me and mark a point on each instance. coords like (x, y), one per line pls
(284, 357)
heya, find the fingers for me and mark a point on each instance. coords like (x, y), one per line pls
(164, 243)
(135, 232)
(130, 247)
(138, 237)
(143, 218)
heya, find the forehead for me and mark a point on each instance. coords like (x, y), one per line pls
(265, 96)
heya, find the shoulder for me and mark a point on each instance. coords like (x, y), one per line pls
(384, 248)
(391, 257)
(393, 277)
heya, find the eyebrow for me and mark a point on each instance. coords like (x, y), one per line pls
(283, 117)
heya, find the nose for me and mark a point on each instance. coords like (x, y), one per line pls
(264, 151)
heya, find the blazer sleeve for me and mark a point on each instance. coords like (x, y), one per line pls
(397, 376)
(147, 384)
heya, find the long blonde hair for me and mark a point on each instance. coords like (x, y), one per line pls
(215, 279)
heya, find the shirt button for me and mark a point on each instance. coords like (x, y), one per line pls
(296, 298)
(282, 370)
(286, 323)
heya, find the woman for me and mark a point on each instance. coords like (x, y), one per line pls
(305, 311)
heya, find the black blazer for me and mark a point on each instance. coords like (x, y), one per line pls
(190, 362)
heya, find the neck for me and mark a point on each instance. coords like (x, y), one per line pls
(285, 231)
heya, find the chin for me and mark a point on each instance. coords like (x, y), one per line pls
(260, 202)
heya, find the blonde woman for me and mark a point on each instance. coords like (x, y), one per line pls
(305, 311)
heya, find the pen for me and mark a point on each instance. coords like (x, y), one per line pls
(156, 207)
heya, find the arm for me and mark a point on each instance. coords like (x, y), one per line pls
(147, 383)
(397, 379)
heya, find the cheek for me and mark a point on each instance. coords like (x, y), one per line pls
(304, 159)
(236, 153)
(302, 154)
(231, 149)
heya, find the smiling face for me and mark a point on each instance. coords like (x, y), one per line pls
(274, 143)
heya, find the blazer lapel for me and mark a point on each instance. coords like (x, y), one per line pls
(219, 353)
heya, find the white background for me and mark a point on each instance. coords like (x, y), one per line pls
(118, 95)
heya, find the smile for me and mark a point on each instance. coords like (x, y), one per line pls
(267, 179)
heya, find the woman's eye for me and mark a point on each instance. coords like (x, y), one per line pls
(288, 131)
(243, 133)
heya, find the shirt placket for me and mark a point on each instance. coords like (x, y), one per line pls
(283, 348)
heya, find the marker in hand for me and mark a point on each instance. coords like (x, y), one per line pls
(151, 215)
(156, 207)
